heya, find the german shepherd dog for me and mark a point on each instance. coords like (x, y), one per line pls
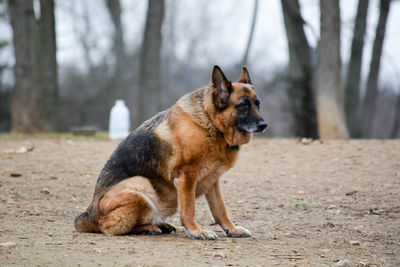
(173, 158)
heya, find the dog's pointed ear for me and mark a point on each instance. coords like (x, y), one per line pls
(222, 88)
(245, 77)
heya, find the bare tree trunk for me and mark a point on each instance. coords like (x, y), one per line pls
(34, 103)
(372, 82)
(396, 124)
(331, 123)
(150, 62)
(114, 8)
(50, 98)
(24, 115)
(85, 36)
(253, 26)
(352, 84)
(300, 89)
(118, 80)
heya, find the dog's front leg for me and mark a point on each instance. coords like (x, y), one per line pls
(218, 210)
(186, 188)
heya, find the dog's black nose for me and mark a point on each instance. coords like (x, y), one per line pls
(262, 124)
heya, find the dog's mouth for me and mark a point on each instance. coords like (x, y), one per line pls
(244, 129)
(256, 127)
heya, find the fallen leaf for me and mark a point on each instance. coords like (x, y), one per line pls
(303, 206)
(354, 242)
(8, 244)
(220, 254)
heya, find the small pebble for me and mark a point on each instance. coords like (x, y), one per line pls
(306, 141)
(351, 193)
(45, 190)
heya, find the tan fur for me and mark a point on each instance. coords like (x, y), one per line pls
(127, 204)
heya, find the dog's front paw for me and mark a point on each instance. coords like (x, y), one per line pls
(238, 231)
(201, 234)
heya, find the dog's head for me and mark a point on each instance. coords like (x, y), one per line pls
(237, 106)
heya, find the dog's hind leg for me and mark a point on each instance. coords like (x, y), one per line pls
(84, 224)
(127, 208)
(126, 216)
(151, 229)
(148, 229)
(166, 228)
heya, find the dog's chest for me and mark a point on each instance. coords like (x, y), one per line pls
(215, 164)
(211, 166)
(210, 170)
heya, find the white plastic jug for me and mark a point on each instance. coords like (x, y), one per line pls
(119, 120)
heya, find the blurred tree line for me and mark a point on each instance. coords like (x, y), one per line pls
(316, 95)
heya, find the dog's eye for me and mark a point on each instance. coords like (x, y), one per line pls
(257, 103)
(243, 105)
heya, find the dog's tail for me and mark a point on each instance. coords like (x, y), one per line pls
(84, 224)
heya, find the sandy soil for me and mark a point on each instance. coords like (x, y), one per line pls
(312, 204)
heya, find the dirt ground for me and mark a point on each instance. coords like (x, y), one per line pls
(330, 203)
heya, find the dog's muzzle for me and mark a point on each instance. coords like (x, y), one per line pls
(261, 125)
